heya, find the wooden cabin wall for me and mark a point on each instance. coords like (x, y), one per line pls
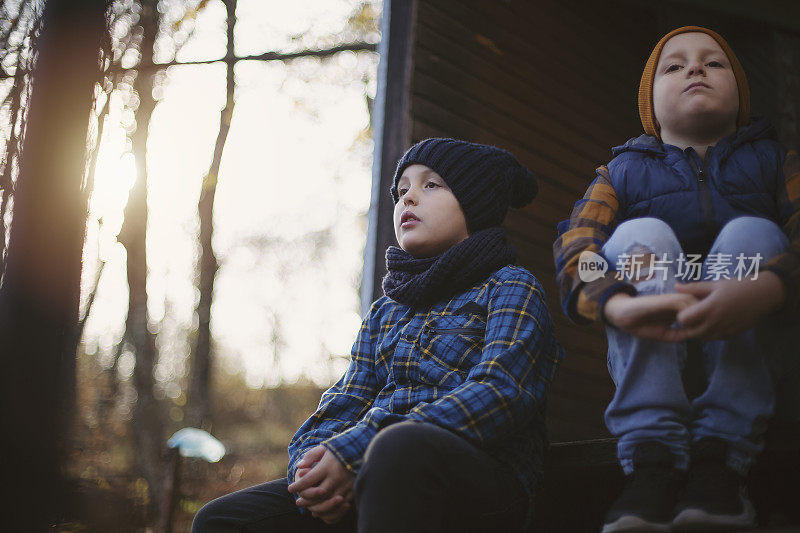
(556, 84)
(556, 87)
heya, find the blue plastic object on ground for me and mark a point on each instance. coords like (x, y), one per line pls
(193, 442)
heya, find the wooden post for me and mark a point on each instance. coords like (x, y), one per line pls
(171, 490)
(391, 126)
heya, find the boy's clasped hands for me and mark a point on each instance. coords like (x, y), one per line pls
(323, 485)
(705, 310)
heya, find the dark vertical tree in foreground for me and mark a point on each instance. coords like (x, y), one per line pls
(199, 390)
(40, 289)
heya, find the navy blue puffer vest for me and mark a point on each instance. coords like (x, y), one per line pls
(741, 175)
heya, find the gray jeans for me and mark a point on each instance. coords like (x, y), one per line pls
(747, 374)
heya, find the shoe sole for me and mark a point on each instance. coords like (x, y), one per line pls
(634, 524)
(697, 520)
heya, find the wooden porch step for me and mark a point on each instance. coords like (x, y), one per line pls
(582, 479)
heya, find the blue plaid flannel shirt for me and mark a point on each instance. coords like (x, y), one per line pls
(478, 365)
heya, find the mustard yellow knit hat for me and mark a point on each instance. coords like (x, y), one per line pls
(646, 112)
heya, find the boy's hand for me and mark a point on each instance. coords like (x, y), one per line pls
(304, 466)
(309, 459)
(729, 306)
(648, 316)
(326, 488)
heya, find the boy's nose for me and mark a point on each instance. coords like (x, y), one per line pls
(410, 197)
(695, 68)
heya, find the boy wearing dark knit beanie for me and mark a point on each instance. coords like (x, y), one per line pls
(681, 217)
(438, 423)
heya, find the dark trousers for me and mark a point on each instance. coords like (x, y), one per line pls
(415, 478)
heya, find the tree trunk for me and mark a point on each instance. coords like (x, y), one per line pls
(40, 291)
(148, 425)
(10, 156)
(199, 414)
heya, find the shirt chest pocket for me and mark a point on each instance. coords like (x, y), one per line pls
(450, 345)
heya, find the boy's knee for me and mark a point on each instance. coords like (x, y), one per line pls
(646, 235)
(399, 458)
(204, 518)
(645, 227)
(402, 444)
(407, 449)
(750, 224)
(750, 235)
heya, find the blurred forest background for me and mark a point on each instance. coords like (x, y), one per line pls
(191, 259)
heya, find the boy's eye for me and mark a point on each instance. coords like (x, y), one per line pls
(672, 68)
(401, 191)
(714, 64)
(432, 183)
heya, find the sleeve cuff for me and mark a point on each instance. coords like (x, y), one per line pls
(591, 291)
(790, 303)
(619, 286)
(349, 446)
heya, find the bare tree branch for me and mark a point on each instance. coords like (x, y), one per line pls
(272, 56)
(268, 56)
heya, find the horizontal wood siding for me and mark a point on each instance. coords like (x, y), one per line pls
(558, 91)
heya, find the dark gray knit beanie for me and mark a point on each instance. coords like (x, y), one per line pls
(486, 180)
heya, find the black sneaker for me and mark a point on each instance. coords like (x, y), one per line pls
(715, 497)
(648, 499)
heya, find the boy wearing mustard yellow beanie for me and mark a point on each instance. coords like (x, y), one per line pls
(691, 231)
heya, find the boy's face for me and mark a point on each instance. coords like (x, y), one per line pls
(427, 218)
(694, 89)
